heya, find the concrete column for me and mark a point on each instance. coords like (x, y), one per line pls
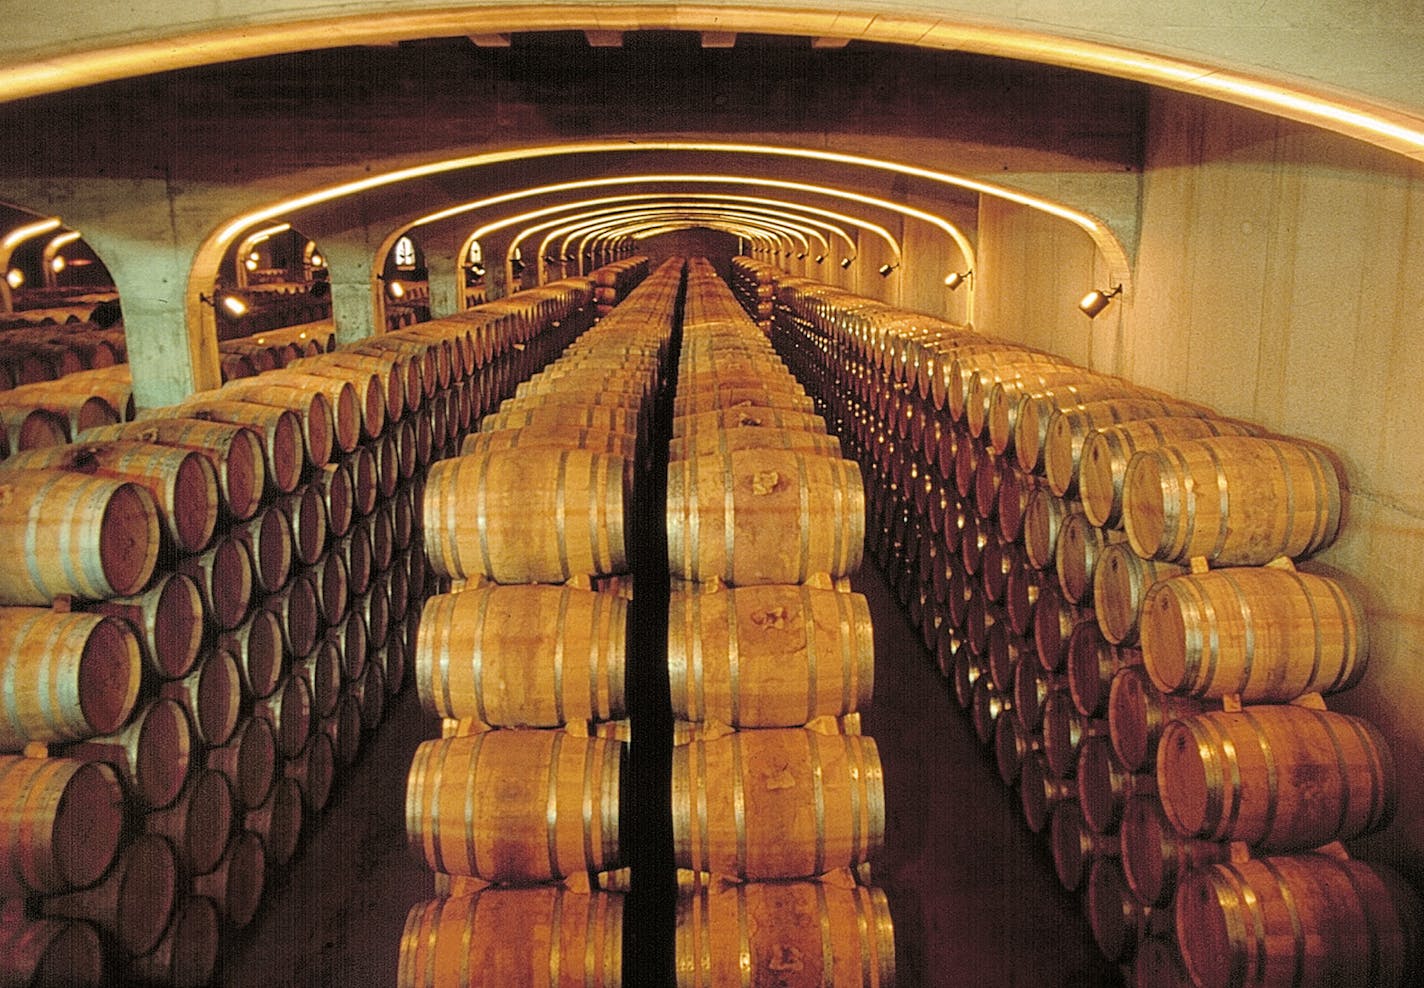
(171, 337)
(446, 268)
(356, 305)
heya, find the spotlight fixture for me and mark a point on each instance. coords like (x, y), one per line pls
(395, 289)
(801, 256)
(14, 277)
(517, 267)
(845, 261)
(1097, 300)
(885, 269)
(954, 279)
(478, 270)
(570, 257)
(820, 258)
(57, 264)
(231, 304)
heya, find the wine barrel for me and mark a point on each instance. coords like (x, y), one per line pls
(289, 712)
(1104, 787)
(1065, 730)
(314, 410)
(1307, 921)
(223, 576)
(248, 761)
(234, 451)
(514, 936)
(268, 540)
(1118, 921)
(68, 533)
(152, 754)
(182, 482)
(1069, 427)
(526, 516)
(1267, 634)
(280, 429)
(1074, 846)
(1138, 713)
(211, 695)
(256, 645)
(64, 676)
(48, 953)
(783, 933)
(523, 656)
(187, 954)
(60, 820)
(1012, 746)
(515, 805)
(1080, 546)
(1040, 791)
(764, 516)
(1092, 663)
(1158, 964)
(721, 441)
(1154, 856)
(199, 822)
(1273, 498)
(166, 619)
(624, 444)
(1106, 454)
(769, 656)
(731, 418)
(801, 803)
(278, 821)
(133, 902)
(314, 771)
(1042, 522)
(1276, 777)
(1120, 582)
(235, 885)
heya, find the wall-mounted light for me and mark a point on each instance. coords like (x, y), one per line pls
(845, 261)
(395, 289)
(820, 258)
(317, 260)
(517, 267)
(14, 277)
(1097, 300)
(230, 304)
(885, 269)
(801, 256)
(954, 279)
(57, 264)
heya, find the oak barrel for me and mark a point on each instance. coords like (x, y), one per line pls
(764, 516)
(769, 656)
(60, 820)
(134, 901)
(1236, 500)
(526, 516)
(1276, 777)
(783, 933)
(1120, 582)
(64, 676)
(188, 952)
(777, 803)
(516, 805)
(497, 937)
(68, 533)
(48, 953)
(1306, 921)
(1267, 634)
(523, 656)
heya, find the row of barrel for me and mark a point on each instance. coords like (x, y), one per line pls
(243, 577)
(518, 807)
(753, 285)
(1052, 532)
(777, 798)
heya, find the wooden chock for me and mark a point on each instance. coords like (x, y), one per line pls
(36, 749)
(1282, 562)
(1240, 852)
(1199, 565)
(1311, 701)
(1231, 703)
(62, 604)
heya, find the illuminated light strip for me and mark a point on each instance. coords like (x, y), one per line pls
(20, 234)
(254, 239)
(1369, 118)
(61, 241)
(704, 198)
(211, 252)
(790, 232)
(711, 179)
(678, 207)
(696, 217)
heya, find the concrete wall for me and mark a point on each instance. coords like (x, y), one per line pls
(1280, 280)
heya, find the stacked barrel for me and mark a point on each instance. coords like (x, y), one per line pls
(754, 286)
(1105, 574)
(207, 609)
(613, 282)
(777, 799)
(518, 808)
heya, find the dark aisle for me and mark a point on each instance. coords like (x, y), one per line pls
(973, 892)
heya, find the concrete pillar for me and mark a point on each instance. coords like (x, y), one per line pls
(356, 305)
(446, 269)
(171, 337)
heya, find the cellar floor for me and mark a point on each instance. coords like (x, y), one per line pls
(973, 892)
